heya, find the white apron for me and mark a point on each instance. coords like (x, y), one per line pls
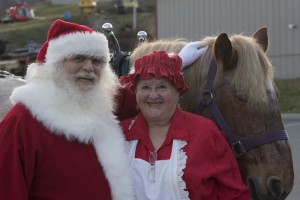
(162, 181)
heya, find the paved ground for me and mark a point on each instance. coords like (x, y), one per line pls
(292, 125)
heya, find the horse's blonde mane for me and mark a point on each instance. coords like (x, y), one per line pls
(254, 71)
(251, 76)
(170, 45)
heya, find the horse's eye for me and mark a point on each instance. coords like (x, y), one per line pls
(241, 97)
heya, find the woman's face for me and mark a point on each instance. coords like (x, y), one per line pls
(157, 99)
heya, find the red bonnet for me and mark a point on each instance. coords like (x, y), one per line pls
(159, 64)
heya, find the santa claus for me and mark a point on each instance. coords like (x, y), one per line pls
(61, 139)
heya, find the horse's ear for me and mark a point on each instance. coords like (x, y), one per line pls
(261, 37)
(224, 52)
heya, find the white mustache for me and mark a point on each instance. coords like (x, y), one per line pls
(86, 75)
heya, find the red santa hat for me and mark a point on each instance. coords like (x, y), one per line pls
(159, 64)
(66, 39)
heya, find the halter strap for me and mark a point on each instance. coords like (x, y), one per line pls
(239, 145)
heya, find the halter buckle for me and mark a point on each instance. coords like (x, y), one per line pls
(207, 98)
(238, 148)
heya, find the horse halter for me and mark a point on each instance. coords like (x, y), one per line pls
(238, 145)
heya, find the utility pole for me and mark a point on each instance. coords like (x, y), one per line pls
(134, 15)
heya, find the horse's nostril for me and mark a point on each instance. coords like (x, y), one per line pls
(252, 188)
(252, 184)
(275, 187)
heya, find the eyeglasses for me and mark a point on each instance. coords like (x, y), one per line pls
(82, 59)
(152, 160)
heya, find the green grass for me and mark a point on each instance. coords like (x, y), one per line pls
(47, 10)
(289, 97)
(19, 33)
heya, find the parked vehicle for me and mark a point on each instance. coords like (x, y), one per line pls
(16, 60)
(18, 12)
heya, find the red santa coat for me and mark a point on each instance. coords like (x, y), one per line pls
(51, 166)
(53, 148)
(211, 170)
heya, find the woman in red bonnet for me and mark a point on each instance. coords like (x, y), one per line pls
(174, 154)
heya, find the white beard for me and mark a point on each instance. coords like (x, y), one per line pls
(61, 106)
(67, 85)
(96, 98)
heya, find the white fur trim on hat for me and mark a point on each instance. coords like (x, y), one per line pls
(77, 43)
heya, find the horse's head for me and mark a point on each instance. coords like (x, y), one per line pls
(247, 97)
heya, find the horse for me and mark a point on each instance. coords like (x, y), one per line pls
(246, 96)
(243, 93)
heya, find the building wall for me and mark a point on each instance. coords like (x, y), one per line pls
(194, 19)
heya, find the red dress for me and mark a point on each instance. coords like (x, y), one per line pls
(126, 103)
(211, 170)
